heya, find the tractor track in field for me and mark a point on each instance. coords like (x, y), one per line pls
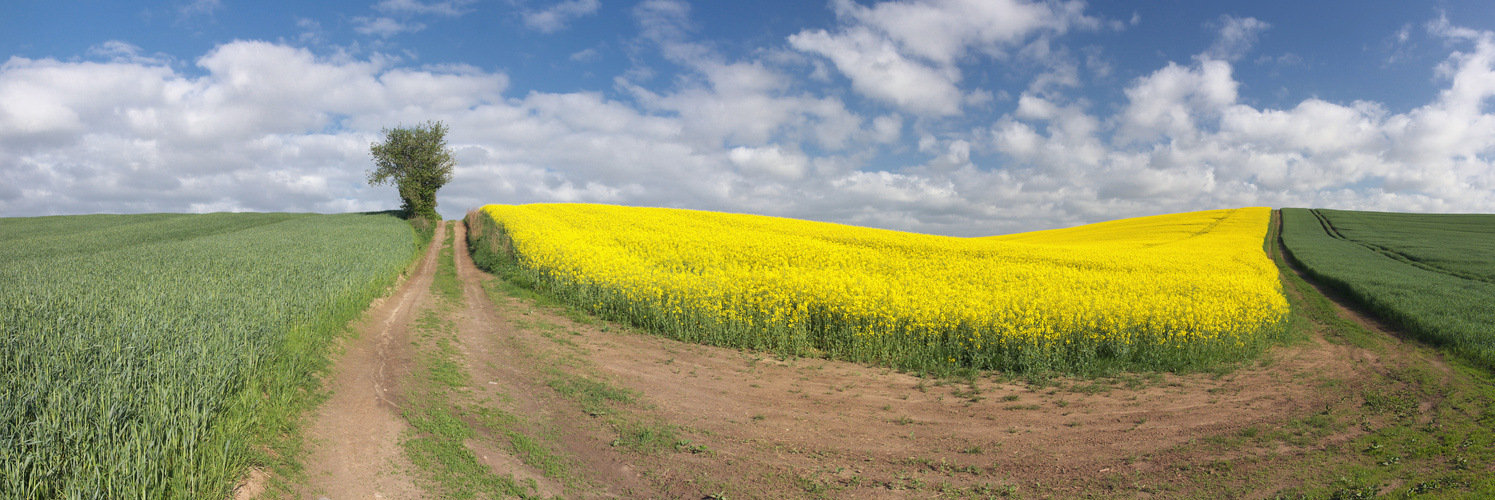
(1409, 260)
(1349, 308)
(754, 425)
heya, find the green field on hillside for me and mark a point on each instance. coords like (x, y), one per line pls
(1433, 274)
(139, 354)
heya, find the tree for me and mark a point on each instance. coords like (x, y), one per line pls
(418, 162)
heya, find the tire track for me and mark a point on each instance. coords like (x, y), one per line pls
(1393, 254)
(354, 437)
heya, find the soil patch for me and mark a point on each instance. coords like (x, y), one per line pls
(509, 367)
(354, 437)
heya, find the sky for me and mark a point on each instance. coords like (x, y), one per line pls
(954, 117)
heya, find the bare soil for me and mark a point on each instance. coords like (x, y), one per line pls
(507, 370)
(781, 428)
(753, 425)
(354, 437)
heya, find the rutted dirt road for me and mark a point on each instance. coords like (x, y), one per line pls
(354, 436)
(679, 420)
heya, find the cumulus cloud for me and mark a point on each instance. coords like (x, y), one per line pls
(1183, 141)
(248, 135)
(555, 17)
(737, 103)
(273, 127)
(906, 52)
(887, 129)
(267, 126)
(1171, 101)
(877, 70)
(771, 160)
(942, 31)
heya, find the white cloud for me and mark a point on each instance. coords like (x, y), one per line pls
(120, 51)
(942, 31)
(906, 52)
(1067, 147)
(1184, 142)
(1442, 28)
(898, 188)
(1172, 101)
(399, 13)
(877, 70)
(587, 55)
(248, 135)
(311, 31)
(385, 27)
(449, 8)
(555, 17)
(1236, 37)
(771, 160)
(666, 23)
(265, 126)
(271, 127)
(887, 129)
(738, 103)
(663, 20)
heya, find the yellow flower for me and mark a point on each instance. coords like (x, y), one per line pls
(1166, 280)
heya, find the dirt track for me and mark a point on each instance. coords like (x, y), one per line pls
(354, 436)
(753, 426)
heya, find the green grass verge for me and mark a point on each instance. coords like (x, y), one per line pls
(444, 283)
(436, 444)
(1421, 432)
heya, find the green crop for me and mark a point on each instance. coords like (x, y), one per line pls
(135, 350)
(1431, 274)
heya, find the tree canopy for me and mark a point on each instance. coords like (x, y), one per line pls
(418, 162)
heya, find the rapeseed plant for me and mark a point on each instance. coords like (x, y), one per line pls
(1161, 292)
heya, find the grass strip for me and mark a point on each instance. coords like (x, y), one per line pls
(1420, 431)
(436, 445)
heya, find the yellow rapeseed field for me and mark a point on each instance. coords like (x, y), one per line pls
(1159, 291)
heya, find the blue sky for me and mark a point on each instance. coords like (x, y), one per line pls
(959, 117)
